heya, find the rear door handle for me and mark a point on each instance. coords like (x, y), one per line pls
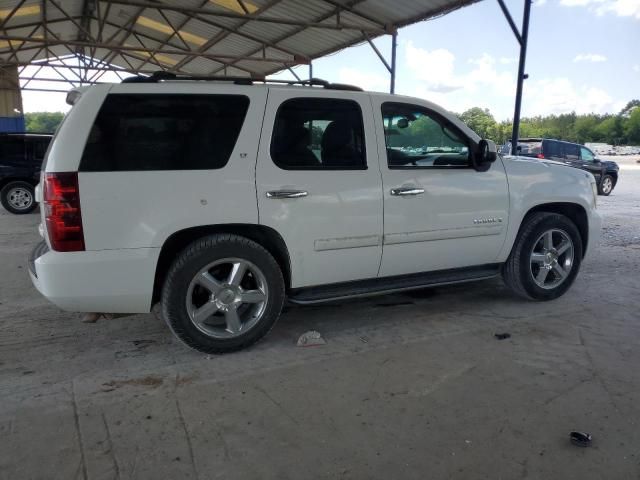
(405, 191)
(277, 194)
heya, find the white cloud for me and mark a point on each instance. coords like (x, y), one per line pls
(636, 68)
(622, 8)
(437, 70)
(560, 95)
(508, 60)
(366, 80)
(539, 3)
(590, 57)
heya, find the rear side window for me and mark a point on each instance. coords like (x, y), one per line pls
(12, 150)
(553, 149)
(571, 151)
(319, 134)
(134, 132)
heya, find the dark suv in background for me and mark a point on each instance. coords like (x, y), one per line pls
(574, 154)
(21, 156)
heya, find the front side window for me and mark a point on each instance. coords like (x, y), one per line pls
(319, 134)
(134, 132)
(417, 138)
(586, 154)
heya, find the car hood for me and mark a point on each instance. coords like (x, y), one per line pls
(541, 164)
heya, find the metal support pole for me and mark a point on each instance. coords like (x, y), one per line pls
(521, 76)
(310, 70)
(394, 44)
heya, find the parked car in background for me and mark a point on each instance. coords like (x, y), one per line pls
(21, 156)
(575, 155)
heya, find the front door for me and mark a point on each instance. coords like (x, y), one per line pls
(439, 213)
(318, 184)
(589, 163)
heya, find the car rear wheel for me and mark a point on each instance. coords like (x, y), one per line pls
(18, 197)
(546, 257)
(606, 185)
(223, 293)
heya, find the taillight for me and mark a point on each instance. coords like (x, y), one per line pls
(540, 155)
(61, 201)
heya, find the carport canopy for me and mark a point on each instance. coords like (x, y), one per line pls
(204, 37)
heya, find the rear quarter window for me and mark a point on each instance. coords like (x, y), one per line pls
(145, 132)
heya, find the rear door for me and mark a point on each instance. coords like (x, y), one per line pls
(318, 183)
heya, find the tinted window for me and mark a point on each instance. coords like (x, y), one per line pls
(571, 151)
(12, 150)
(553, 149)
(318, 133)
(417, 138)
(39, 149)
(164, 132)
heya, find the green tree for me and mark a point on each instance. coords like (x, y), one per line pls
(632, 127)
(480, 121)
(42, 122)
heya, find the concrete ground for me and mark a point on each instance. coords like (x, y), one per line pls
(407, 386)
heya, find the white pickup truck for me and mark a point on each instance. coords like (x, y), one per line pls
(223, 199)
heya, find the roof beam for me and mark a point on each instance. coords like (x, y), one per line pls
(255, 17)
(301, 29)
(129, 48)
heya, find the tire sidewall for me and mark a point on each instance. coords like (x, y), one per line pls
(558, 222)
(190, 262)
(4, 197)
(600, 188)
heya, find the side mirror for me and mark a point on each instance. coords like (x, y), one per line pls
(485, 155)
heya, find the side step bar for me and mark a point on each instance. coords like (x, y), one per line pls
(381, 286)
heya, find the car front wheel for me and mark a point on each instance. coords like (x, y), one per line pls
(545, 258)
(606, 185)
(18, 197)
(223, 293)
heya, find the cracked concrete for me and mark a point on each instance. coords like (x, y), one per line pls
(408, 386)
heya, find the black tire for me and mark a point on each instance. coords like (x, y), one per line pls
(607, 185)
(517, 270)
(7, 197)
(192, 260)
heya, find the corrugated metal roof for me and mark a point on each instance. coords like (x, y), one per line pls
(241, 37)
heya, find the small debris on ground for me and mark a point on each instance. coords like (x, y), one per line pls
(311, 339)
(91, 317)
(502, 336)
(364, 339)
(580, 439)
(143, 343)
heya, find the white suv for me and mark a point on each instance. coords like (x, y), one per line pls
(221, 199)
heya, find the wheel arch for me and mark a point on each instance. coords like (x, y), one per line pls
(575, 212)
(6, 180)
(267, 237)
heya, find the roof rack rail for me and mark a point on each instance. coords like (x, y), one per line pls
(159, 76)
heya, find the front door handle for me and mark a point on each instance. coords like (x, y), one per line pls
(404, 191)
(277, 194)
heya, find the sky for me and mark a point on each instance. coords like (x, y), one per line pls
(583, 56)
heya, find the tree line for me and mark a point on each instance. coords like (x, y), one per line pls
(619, 129)
(615, 129)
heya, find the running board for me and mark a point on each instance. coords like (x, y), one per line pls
(382, 286)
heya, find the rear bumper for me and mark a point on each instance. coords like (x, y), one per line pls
(109, 281)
